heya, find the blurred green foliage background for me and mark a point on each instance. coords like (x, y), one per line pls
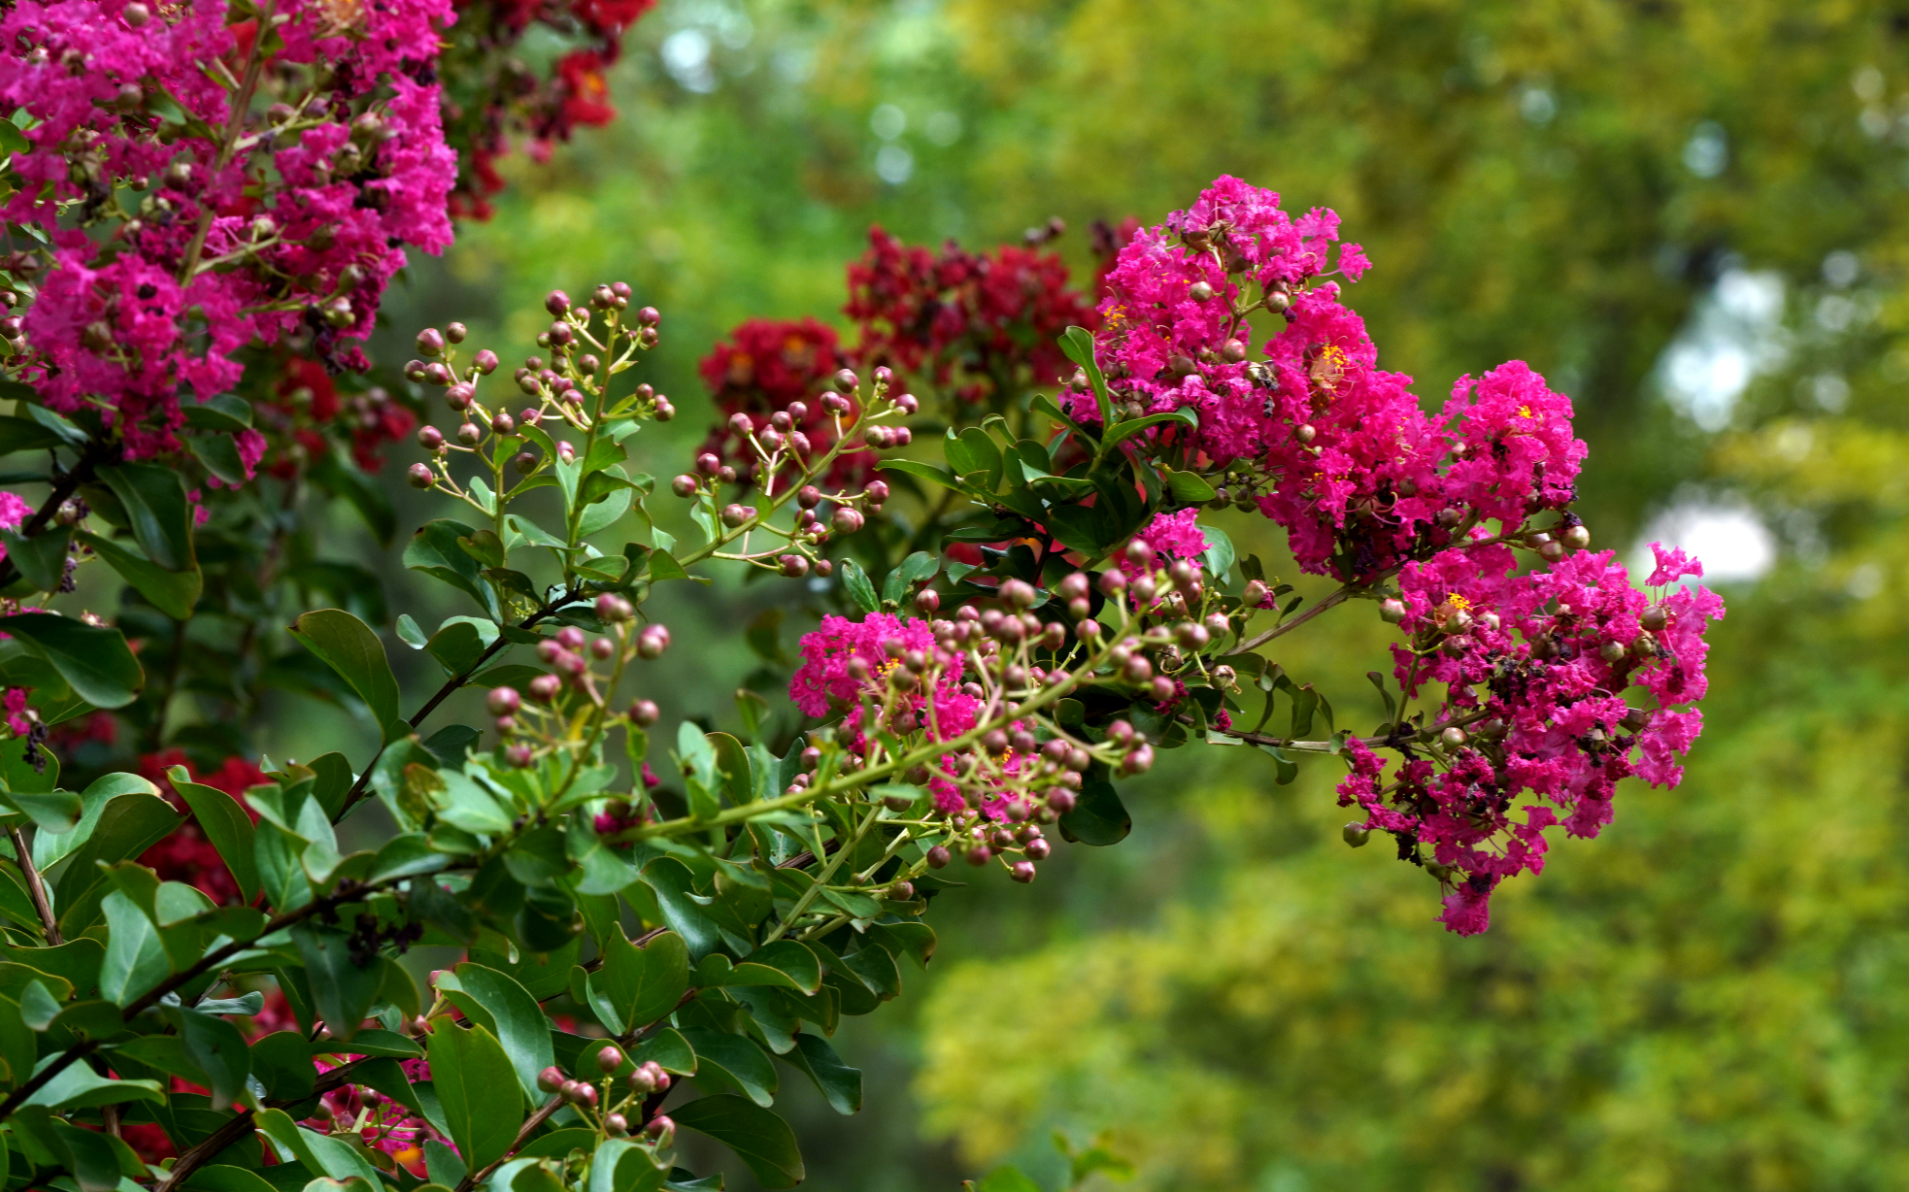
(1693, 215)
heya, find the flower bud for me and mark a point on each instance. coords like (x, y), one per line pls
(979, 855)
(652, 641)
(1452, 737)
(847, 520)
(1654, 618)
(430, 438)
(503, 701)
(1192, 636)
(644, 713)
(1356, 835)
(937, 857)
(1391, 611)
(430, 342)
(556, 302)
(503, 423)
(616, 1125)
(1162, 689)
(525, 462)
(1037, 849)
(1022, 871)
(927, 601)
(647, 316)
(1577, 537)
(609, 1059)
(1019, 593)
(611, 607)
(550, 1080)
(660, 1127)
(1611, 652)
(1305, 433)
(544, 688)
(735, 515)
(792, 566)
(641, 1082)
(420, 476)
(1233, 351)
(1137, 669)
(486, 361)
(877, 492)
(1113, 583)
(136, 15)
(1139, 761)
(470, 434)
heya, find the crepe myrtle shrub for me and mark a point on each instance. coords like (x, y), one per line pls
(643, 957)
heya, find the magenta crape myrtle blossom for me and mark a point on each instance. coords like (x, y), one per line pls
(206, 232)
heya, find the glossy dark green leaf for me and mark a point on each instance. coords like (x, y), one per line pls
(320, 1153)
(757, 1136)
(740, 1064)
(620, 1166)
(173, 593)
(1078, 345)
(928, 472)
(24, 434)
(434, 551)
(226, 412)
(79, 1087)
(643, 984)
(342, 987)
(856, 583)
(351, 649)
(93, 659)
(157, 510)
(219, 1050)
(516, 1020)
(669, 1050)
(226, 825)
(477, 1089)
(220, 455)
(1098, 818)
(51, 811)
(41, 559)
(1190, 489)
(838, 1083)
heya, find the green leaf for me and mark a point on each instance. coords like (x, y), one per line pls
(1123, 431)
(320, 1153)
(219, 1050)
(51, 811)
(350, 648)
(663, 565)
(516, 1019)
(157, 509)
(760, 1138)
(94, 660)
(460, 643)
(342, 988)
(620, 1166)
(739, 1062)
(856, 583)
(838, 1083)
(220, 455)
(643, 984)
(1099, 818)
(227, 412)
(1190, 489)
(40, 559)
(1078, 345)
(225, 824)
(434, 551)
(171, 592)
(22, 434)
(670, 1050)
(135, 955)
(79, 1087)
(928, 472)
(477, 1089)
(1219, 552)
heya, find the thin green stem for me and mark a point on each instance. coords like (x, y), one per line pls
(822, 879)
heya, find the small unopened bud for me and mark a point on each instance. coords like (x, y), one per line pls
(644, 712)
(652, 641)
(609, 1059)
(430, 342)
(1577, 537)
(938, 857)
(1391, 611)
(420, 476)
(503, 701)
(550, 1080)
(1452, 737)
(1305, 433)
(1356, 835)
(1654, 619)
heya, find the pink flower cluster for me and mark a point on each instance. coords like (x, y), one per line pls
(844, 660)
(1535, 667)
(179, 231)
(1360, 478)
(383, 1122)
(1175, 534)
